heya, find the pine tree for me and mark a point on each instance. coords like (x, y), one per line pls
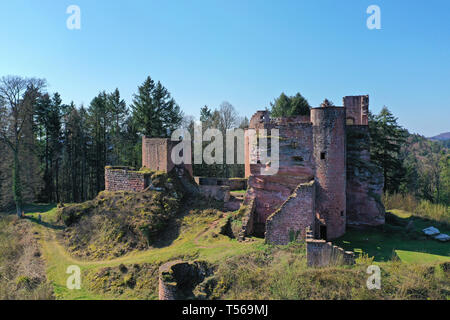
(386, 140)
(285, 106)
(155, 112)
(118, 112)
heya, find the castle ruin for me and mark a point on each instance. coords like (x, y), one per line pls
(325, 180)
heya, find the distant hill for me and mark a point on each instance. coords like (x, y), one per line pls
(441, 137)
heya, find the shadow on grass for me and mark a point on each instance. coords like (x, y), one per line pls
(45, 224)
(38, 209)
(381, 242)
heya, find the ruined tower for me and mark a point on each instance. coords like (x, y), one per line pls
(329, 152)
(157, 155)
(357, 110)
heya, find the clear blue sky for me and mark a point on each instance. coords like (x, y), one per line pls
(245, 52)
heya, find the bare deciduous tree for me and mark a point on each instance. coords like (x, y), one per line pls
(17, 96)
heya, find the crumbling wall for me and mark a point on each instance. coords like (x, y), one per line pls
(290, 221)
(233, 183)
(220, 193)
(320, 253)
(295, 164)
(364, 180)
(157, 155)
(247, 220)
(357, 110)
(125, 179)
(178, 279)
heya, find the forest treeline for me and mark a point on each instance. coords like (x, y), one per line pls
(52, 151)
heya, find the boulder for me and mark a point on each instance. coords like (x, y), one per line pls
(442, 237)
(431, 231)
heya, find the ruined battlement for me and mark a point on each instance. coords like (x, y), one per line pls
(357, 109)
(157, 155)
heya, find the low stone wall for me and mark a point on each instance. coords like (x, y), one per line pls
(320, 253)
(290, 221)
(220, 193)
(125, 179)
(233, 183)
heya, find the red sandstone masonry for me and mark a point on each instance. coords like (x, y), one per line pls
(295, 166)
(329, 141)
(320, 253)
(357, 110)
(294, 216)
(125, 179)
(157, 154)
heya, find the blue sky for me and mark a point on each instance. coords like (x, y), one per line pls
(244, 52)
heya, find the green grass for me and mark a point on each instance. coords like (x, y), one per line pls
(393, 241)
(249, 270)
(416, 257)
(197, 240)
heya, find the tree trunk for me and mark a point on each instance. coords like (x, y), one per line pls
(17, 186)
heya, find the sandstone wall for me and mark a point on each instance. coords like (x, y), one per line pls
(124, 178)
(295, 164)
(320, 253)
(329, 141)
(233, 183)
(290, 221)
(247, 220)
(357, 109)
(179, 279)
(157, 155)
(220, 193)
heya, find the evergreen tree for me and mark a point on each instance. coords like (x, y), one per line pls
(155, 112)
(386, 140)
(118, 112)
(285, 106)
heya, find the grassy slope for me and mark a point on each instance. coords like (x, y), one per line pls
(280, 274)
(198, 243)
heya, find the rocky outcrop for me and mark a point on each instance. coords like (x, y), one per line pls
(364, 181)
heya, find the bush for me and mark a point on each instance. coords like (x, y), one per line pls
(419, 208)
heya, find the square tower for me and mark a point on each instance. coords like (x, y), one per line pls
(357, 110)
(157, 154)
